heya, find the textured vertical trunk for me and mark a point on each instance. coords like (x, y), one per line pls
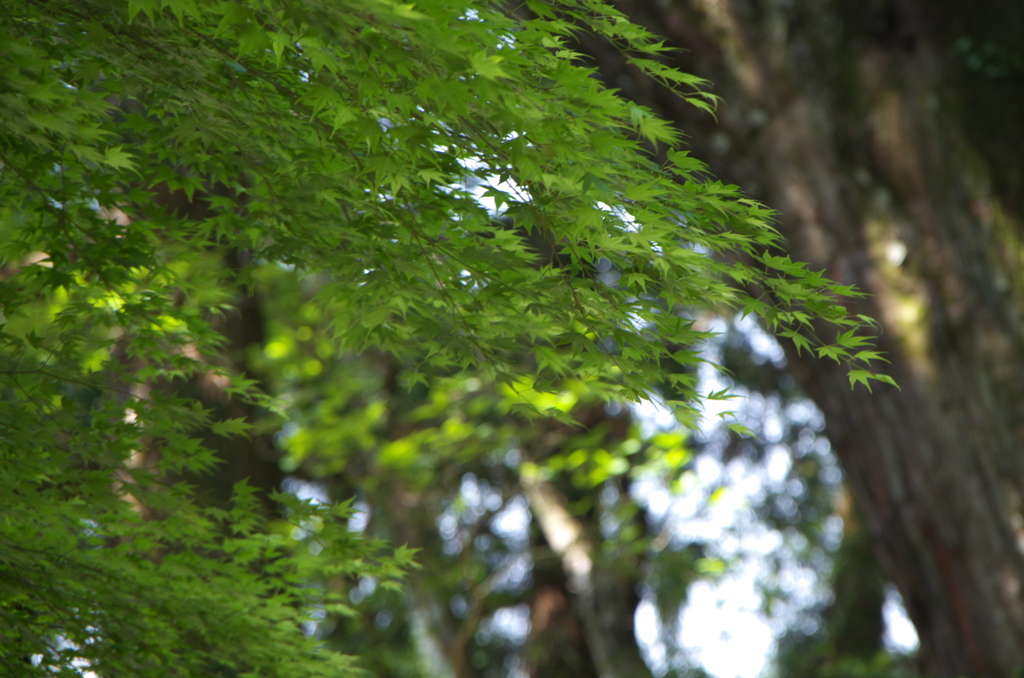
(888, 135)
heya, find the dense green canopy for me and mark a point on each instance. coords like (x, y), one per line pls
(451, 184)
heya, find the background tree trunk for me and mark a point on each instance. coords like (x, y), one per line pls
(888, 135)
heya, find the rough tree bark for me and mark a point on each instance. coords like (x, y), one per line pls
(888, 135)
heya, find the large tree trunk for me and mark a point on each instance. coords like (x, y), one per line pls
(888, 135)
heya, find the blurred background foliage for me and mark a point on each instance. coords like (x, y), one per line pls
(437, 464)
